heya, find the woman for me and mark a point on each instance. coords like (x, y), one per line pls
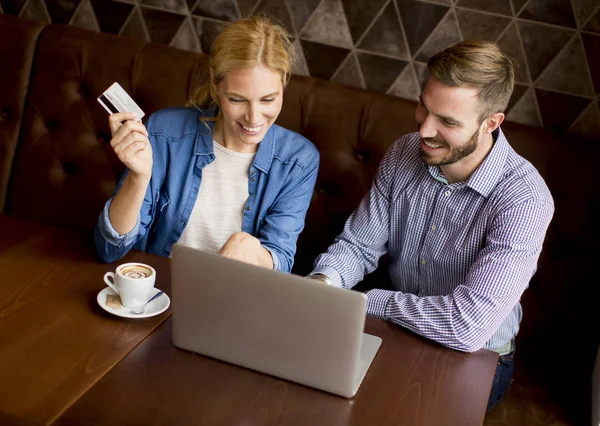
(219, 175)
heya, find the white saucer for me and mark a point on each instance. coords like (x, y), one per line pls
(157, 306)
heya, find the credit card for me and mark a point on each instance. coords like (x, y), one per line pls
(115, 99)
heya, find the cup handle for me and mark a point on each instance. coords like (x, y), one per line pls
(110, 284)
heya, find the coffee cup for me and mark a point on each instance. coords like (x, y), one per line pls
(133, 282)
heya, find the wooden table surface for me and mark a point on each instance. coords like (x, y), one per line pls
(412, 381)
(64, 360)
(55, 341)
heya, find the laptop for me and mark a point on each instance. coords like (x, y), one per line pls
(280, 324)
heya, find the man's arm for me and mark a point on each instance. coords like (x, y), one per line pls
(356, 251)
(468, 317)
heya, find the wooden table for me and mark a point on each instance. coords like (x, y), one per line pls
(64, 360)
(412, 381)
(55, 341)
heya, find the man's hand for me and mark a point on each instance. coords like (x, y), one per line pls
(246, 248)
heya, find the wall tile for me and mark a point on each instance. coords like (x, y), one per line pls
(518, 92)
(475, 25)
(406, 85)
(135, 27)
(591, 44)
(496, 6)
(207, 30)
(278, 10)
(35, 10)
(559, 110)
(85, 18)
(542, 43)
(323, 60)
(61, 11)
(518, 5)
(419, 20)
(525, 110)
(588, 123)
(510, 43)
(328, 26)
(176, 6)
(186, 38)
(349, 73)
(568, 71)
(300, 12)
(583, 10)
(161, 25)
(422, 74)
(594, 23)
(445, 35)
(557, 12)
(223, 10)
(246, 7)
(12, 7)
(379, 72)
(360, 14)
(385, 35)
(300, 67)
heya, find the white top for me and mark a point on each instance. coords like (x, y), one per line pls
(220, 204)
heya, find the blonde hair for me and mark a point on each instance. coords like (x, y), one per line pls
(256, 40)
(480, 65)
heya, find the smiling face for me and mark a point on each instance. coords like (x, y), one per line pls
(453, 136)
(250, 101)
(448, 121)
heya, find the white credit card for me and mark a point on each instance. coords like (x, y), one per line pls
(115, 99)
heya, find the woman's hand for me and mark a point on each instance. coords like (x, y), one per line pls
(246, 248)
(130, 143)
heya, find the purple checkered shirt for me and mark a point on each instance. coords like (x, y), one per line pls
(461, 254)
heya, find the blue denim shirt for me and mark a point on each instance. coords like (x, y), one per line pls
(280, 186)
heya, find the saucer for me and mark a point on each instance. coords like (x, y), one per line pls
(157, 306)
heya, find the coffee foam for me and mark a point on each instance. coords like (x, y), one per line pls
(136, 272)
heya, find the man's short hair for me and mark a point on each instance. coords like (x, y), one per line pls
(480, 65)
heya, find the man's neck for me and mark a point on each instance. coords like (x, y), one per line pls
(463, 169)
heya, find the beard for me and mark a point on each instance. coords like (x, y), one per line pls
(454, 154)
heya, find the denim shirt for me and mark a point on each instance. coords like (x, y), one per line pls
(280, 186)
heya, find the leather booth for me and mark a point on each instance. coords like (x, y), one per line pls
(57, 167)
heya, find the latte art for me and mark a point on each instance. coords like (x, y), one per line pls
(137, 272)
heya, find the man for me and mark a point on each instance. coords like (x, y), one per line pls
(460, 214)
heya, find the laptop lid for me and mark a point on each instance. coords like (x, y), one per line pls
(276, 323)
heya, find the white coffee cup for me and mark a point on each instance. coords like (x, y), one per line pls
(133, 282)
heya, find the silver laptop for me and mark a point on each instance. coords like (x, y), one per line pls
(280, 324)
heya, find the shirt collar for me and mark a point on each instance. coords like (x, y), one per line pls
(204, 140)
(489, 172)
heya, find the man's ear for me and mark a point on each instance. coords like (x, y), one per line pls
(493, 122)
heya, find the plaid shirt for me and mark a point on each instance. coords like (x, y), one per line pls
(461, 254)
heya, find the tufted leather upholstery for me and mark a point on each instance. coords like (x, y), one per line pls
(14, 79)
(64, 170)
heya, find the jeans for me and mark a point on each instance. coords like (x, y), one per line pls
(502, 377)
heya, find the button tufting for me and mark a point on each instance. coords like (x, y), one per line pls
(51, 124)
(4, 113)
(70, 168)
(84, 91)
(361, 156)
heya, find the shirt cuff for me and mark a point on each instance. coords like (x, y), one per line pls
(377, 302)
(332, 274)
(276, 262)
(109, 233)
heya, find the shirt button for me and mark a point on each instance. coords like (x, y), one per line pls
(423, 261)
(447, 193)
(252, 179)
(247, 208)
(195, 189)
(252, 171)
(433, 227)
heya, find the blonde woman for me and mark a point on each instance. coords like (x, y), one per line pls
(218, 175)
